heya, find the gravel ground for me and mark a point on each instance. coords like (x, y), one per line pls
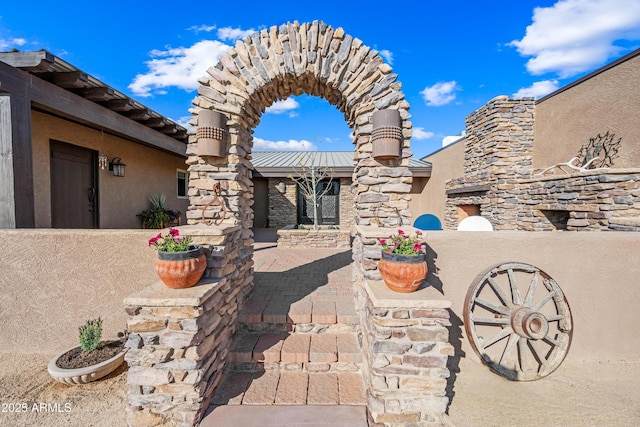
(577, 394)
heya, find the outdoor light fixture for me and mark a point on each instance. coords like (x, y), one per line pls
(212, 134)
(117, 166)
(281, 187)
(386, 134)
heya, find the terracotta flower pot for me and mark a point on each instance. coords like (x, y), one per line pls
(403, 273)
(181, 269)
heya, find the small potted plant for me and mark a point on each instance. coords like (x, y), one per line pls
(180, 263)
(158, 216)
(91, 360)
(403, 264)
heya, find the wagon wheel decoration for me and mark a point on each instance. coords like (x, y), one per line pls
(518, 321)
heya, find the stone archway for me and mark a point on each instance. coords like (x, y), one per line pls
(292, 59)
(179, 341)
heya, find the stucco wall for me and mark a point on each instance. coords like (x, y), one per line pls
(53, 281)
(608, 101)
(598, 272)
(148, 171)
(63, 278)
(448, 163)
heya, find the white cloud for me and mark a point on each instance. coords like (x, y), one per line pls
(440, 93)
(420, 133)
(11, 43)
(202, 28)
(573, 36)
(387, 55)
(451, 139)
(180, 67)
(284, 106)
(537, 90)
(229, 34)
(260, 144)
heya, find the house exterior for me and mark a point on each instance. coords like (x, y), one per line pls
(56, 123)
(279, 203)
(495, 170)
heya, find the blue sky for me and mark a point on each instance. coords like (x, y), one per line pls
(451, 57)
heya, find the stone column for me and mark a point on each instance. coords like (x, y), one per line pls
(179, 338)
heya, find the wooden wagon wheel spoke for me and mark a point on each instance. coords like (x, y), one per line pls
(522, 339)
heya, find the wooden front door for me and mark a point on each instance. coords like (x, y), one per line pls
(74, 198)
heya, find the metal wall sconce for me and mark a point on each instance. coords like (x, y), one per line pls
(116, 166)
(386, 134)
(212, 134)
(281, 187)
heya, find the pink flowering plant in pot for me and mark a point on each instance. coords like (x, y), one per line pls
(180, 263)
(403, 244)
(403, 264)
(171, 242)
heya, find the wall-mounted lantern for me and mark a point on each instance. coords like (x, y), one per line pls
(116, 166)
(212, 134)
(387, 134)
(281, 187)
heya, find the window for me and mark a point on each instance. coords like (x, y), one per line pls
(182, 179)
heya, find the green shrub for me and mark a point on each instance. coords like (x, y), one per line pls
(90, 335)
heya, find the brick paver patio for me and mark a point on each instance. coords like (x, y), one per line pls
(297, 343)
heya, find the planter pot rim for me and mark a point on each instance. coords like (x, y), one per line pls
(194, 251)
(404, 258)
(68, 376)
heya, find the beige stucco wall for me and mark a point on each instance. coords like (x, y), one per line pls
(608, 101)
(598, 272)
(53, 281)
(148, 171)
(447, 163)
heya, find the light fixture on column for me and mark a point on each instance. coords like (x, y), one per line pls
(116, 166)
(386, 134)
(211, 134)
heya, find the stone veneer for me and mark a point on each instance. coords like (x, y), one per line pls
(179, 338)
(603, 199)
(292, 59)
(323, 237)
(405, 343)
(499, 180)
(283, 209)
(499, 146)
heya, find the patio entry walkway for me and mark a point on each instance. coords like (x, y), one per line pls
(297, 344)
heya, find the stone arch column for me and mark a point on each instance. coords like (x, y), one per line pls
(292, 59)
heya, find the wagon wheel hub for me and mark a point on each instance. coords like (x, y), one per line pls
(529, 324)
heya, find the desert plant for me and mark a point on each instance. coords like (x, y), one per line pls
(90, 335)
(157, 216)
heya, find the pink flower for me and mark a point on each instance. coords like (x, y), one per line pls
(417, 247)
(382, 241)
(419, 233)
(174, 232)
(154, 239)
(400, 232)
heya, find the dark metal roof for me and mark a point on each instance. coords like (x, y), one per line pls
(281, 163)
(49, 67)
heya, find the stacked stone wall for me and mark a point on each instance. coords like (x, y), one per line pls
(283, 210)
(598, 200)
(334, 237)
(347, 207)
(499, 147)
(292, 59)
(179, 338)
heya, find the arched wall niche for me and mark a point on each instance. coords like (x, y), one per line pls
(293, 59)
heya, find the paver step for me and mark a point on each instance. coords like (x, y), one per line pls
(286, 416)
(302, 348)
(273, 386)
(286, 311)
